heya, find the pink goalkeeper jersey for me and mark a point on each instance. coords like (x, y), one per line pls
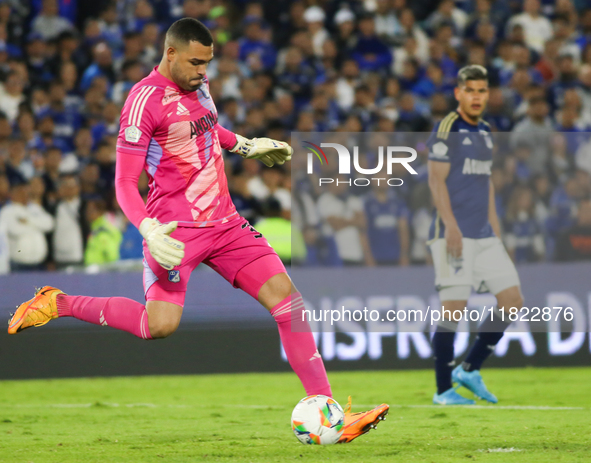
(177, 134)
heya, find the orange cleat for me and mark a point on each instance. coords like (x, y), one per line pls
(35, 312)
(357, 424)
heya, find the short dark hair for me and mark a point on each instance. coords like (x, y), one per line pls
(188, 30)
(472, 72)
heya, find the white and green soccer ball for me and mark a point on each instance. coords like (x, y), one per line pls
(318, 419)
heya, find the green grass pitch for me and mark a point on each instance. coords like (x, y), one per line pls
(245, 418)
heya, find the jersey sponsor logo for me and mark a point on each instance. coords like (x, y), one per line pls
(203, 124)
(476, 167)
(467, 141)
(174, 276)
(132, 134)
(170, 96)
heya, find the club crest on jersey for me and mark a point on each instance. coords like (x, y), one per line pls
(439, 149)
(132, 134)
(174, 276)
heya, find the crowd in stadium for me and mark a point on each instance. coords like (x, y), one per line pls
(281, 66)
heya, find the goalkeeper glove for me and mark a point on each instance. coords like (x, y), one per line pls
(268, 151)
(167, 251)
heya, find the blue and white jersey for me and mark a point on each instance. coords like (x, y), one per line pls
(468, 148)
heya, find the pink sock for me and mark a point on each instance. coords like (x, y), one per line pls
(300, 348)
(117, 312)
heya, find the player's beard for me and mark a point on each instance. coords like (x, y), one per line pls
(181, 80)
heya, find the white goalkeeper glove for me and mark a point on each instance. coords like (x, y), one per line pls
(167, 251)
(266, 150)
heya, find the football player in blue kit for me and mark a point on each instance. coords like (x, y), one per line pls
(465, 238)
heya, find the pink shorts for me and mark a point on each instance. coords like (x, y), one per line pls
(226, 248)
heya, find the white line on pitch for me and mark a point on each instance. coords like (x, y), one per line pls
(482, 407)
(279, 407)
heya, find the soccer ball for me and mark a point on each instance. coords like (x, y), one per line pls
(318, 419)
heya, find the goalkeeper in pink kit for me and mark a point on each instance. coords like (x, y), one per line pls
(169, 128)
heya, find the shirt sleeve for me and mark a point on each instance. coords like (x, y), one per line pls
(138, 123)
(226, 137)
(438, 148)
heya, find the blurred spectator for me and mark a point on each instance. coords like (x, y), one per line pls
(535, 132)
(105, 238)
(420, 223)
(287, 241)
(131, 241)
(345, 39)
(370, 52)
(254, 48)
(89, 179)
(45, 135)
(53, 159)
(563, 209)
(83, 147)
(359, 66)
(305, 219)
(523, 234)
(25, 224)
(4, 190)
(387, 219)
(346, 83)
(67, 119)
(68, 237)
(102, 65)
(297, 77)
(314, 17)
(11, 95)
(575, 242)
(19, 167)
(561, 161)
(344, 221)
(246, 204)
(272, 186)
(447, 13)
(37, 63)
(409, 28)
(567, 79)
(498, 113)
(409, 118)
(387, 24)
(432, 82)
(49, 24)
(105, 158)
(542, 190)
(110, 27)
(537, 29)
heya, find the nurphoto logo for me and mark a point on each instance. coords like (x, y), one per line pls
(387, 156)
